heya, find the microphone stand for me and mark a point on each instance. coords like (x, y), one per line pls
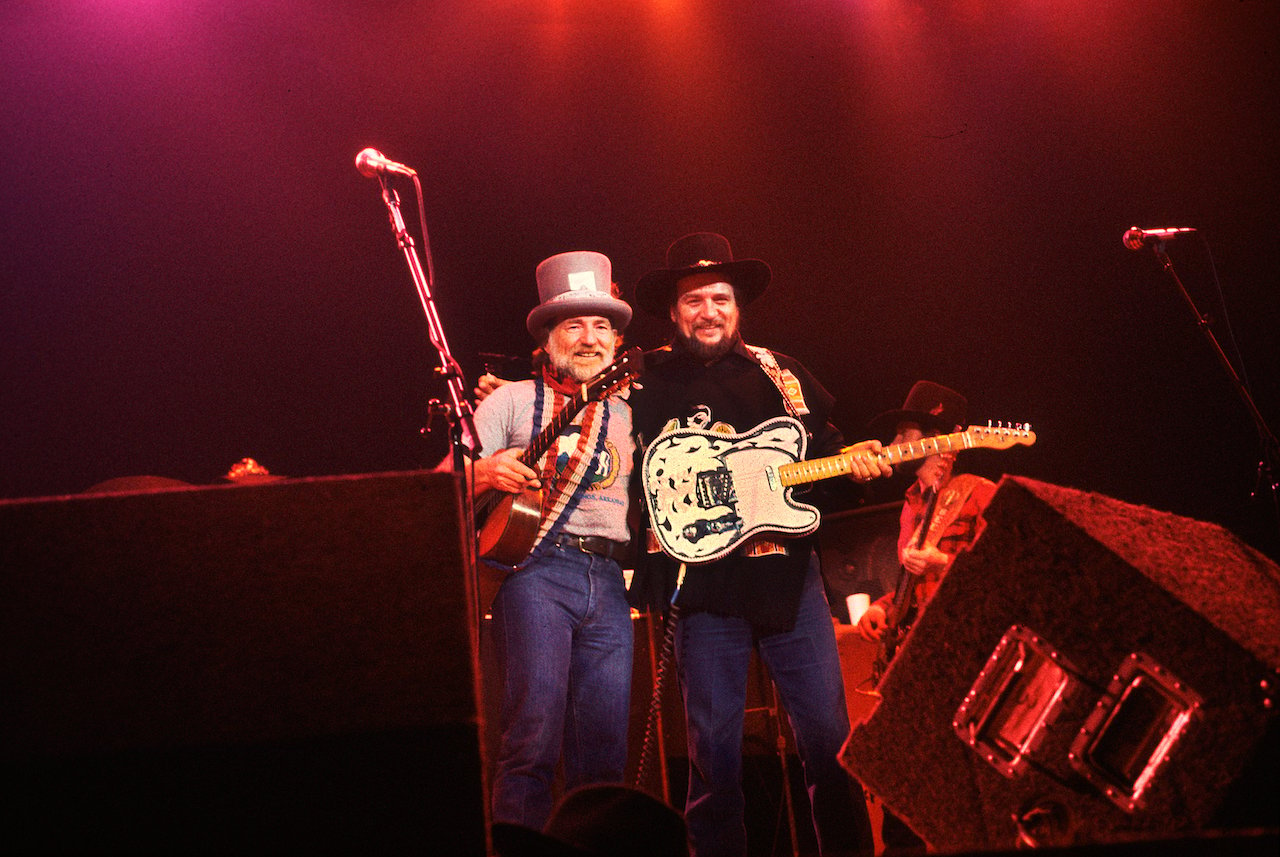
(463, 441)
(1269, 464)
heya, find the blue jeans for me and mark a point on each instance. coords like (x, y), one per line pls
(562, 634)
(713, 654)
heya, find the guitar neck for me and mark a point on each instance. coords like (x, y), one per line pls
(613, 378)
(801, 472)
(906, 580)
(548, 435)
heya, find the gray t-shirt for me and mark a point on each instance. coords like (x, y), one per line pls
(505, 419)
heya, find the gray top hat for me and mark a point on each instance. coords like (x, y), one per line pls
(574, 284)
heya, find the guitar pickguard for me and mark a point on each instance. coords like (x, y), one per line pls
(707, 493)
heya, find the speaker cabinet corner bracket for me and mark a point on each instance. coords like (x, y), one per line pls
(1130, 733)
(1018, 694)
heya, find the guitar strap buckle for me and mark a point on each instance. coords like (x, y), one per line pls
(784, 379)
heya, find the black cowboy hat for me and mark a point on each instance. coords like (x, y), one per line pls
(693, 254)
(933, 407)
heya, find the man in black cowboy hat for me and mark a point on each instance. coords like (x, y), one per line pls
(930, 409)
(561, 626)
(766, 595)
(941, 516)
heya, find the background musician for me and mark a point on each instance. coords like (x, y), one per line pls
(949, 524)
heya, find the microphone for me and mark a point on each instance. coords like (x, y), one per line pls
(371, 162)
(1135, 238)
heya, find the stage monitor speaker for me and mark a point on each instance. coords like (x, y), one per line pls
(1090, 672)
(281, 666)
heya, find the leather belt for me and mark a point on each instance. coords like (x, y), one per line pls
(597, 545)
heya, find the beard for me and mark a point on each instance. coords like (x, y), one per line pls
(709, 352)
(579, 364)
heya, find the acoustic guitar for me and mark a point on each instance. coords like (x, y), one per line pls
(511, 520)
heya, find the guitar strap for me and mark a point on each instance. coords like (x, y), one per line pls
(564, 490)
(950, 503)
(793, 400)
(786, 382)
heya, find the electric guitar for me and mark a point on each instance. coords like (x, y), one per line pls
(707, 493)
(511, 520)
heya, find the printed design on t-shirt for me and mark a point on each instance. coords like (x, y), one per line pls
(602, 471)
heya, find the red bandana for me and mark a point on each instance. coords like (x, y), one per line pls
(566, 386)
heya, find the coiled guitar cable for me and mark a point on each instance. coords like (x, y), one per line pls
(671, 621)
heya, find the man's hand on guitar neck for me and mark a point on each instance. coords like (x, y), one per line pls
(866, 461)
(917, 561)
(504, 471)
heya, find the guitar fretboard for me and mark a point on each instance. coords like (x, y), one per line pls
(800, 472)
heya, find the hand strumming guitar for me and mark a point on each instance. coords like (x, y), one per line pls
(504, 471)
(917, 561)
(872, 623)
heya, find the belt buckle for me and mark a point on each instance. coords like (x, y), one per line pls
(572, 540)
(582, 543)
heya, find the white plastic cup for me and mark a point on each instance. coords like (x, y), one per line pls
(858, 603)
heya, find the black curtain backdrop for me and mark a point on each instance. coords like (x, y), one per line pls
(194, 272)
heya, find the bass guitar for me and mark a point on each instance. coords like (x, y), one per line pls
(903, 596)
(942, 510)
(707, 493)
(511, 520)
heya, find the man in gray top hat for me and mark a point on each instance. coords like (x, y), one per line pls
(561, 624)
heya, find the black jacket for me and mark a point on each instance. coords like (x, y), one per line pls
(734, 394)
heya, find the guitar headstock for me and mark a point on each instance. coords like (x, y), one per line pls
(1001, 435)
(616, 376)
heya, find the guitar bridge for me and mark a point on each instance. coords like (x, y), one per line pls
(715, 488)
